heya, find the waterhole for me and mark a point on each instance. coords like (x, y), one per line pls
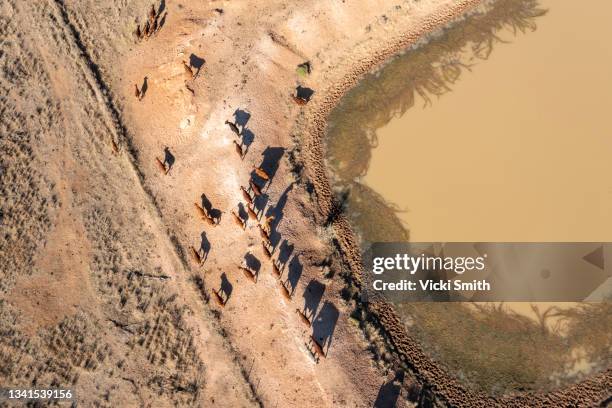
(494, 129)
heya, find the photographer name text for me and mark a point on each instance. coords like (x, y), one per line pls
(431, 285)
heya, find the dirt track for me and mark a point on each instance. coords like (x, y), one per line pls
(99, 288)
(87, 300)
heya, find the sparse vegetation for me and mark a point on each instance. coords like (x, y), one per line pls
(27, 199)
(159, 332)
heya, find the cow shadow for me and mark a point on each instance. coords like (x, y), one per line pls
(196, 62)
(324, 325)
(252, 263)
(162, 21)
(284, 253)
(242, 212)
(169, 158)
(144, 88)
(247, 138)
(295, 272)
(226, 286)
(204, 246)
(312, 297)
(242, 117)
(271, 160)
(260, 202)
(206, 204)
(277, 212)
(213, 212)
(304, 93)
(389, 392)
(162, 6)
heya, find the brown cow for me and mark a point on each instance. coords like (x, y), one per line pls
(246, 195)
(137, 93)
(318, 349)
(275, 271)
(268, 244)
(267, 225)
(303, 318)
(284, 291)
(114, 146)
(152, 13)
(162, 166)
(218, 298)
(233, 127)
(238, 149)
(249, 274)
(239, 221)
(255, 188)
(195, 255)
(299, 101)
(188, 71)
(264, 234)
(266, 251)
(204, 214)
(261, 173)
(201, 211)
(252, 213)
(153, 26)
(210, 220)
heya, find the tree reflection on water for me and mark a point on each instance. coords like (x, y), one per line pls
(490, 347)
(427, 72)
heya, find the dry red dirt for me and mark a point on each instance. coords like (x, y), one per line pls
(98, 288)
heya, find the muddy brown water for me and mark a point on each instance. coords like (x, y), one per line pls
(520, 149)
(497, 129)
